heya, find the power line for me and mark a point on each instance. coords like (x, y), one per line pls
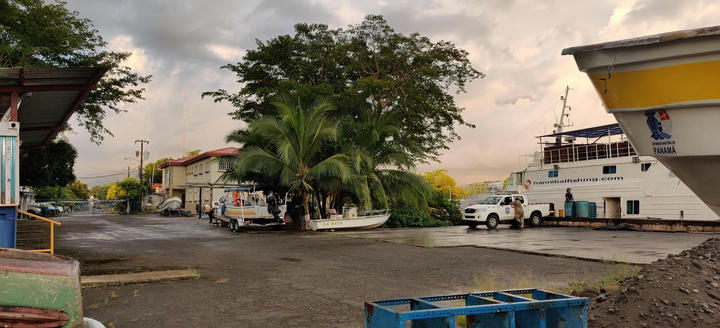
(123, 172)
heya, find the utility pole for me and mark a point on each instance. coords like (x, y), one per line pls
(142, 154)
(128, 171)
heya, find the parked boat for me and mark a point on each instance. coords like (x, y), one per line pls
(351, 220)
(664, 91)
(602, 167)
(244, 206)
(170, 206)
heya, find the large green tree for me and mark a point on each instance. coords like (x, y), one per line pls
(294, 154)
(363, 68)
(51, 165)
(38, 33)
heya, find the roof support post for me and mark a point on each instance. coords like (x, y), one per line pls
(14, 102)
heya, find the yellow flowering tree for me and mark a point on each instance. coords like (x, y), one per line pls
(442, 182)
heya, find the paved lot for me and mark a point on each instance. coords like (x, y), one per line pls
(288, 279)
(622, 246)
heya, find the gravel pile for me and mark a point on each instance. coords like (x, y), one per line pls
(679, 291)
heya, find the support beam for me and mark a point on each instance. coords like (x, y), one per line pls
(14, 102)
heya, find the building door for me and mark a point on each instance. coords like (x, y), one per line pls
(612, 208)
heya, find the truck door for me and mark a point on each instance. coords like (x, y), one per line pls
(524, 205)
(506, 210)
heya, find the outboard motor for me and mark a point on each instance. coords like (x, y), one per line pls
(273, 206)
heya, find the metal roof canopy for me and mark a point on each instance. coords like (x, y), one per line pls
(45, 98)
(594, 132)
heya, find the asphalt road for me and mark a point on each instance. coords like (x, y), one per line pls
(287, 279)
(622, 246)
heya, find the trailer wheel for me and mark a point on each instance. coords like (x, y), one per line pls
(233, 225)
(492, 221)
(535, 219)
(473, 224)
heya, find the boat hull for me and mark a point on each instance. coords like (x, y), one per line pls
(664, 91)
(360, 223)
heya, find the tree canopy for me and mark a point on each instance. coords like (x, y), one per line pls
(360, 69)
(51, 165)
(36, 33)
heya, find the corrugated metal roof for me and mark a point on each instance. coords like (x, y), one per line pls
(49, 96)
(646, 40)
(227, 151)
(594, 132)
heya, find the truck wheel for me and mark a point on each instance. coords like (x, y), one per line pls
(473, 224)
(233, 225)
(492, 221)
(535, 219)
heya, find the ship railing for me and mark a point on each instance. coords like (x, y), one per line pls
(575, 153)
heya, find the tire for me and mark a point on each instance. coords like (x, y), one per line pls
(233, 225)
(277, 227)
(472, 224)
(535, 219)
(492, 221)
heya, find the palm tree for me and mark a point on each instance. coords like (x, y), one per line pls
(382, 168)
(292, 152)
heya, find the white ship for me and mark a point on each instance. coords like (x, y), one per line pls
(600, 165)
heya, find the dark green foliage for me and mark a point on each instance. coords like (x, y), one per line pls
(410, 217)
(100, 192)
(361, 69)
(53, 193)
(51, 165)
(442, 211)
(445, 209)
(37, 33)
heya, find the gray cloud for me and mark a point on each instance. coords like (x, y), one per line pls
(516, 43)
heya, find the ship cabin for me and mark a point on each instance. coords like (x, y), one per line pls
(600, 142)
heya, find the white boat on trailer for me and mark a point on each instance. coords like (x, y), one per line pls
(351, 219)
(245, 207)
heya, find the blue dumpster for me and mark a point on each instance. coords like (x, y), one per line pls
(593, 210)
(570, 209)
(498, 309)
(8, 226)
(582, 209)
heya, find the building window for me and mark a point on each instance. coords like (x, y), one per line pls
(644, 167)
(201, 168)
(553, 174)
(224, 164)
(633, 207)
(610, 169)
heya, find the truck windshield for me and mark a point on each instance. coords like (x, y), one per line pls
(492, 200)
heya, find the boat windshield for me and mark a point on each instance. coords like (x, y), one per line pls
(492, 200)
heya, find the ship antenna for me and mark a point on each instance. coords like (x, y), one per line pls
(560, 124)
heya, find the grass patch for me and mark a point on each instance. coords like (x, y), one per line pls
(623, 271)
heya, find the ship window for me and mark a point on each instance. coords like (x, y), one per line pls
(553, 174)
(645, 166)
(610, 169)
(633, 207)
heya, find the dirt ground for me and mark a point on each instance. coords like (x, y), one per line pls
(682, 290)
(288, 279)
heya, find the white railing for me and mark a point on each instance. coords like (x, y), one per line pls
(575, 153)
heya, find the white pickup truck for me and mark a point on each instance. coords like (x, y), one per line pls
(498, 209)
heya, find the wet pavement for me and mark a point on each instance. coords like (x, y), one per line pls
(288, 279)
(621, 246)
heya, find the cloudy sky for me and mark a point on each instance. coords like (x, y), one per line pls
(515, 43)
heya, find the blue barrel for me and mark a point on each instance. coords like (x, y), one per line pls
(593, 210)
(582, 209)
(569, 209)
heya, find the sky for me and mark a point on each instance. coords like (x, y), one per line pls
(516, 43)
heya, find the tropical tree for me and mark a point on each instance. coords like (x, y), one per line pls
(361, 69)
(294, 151)
(442, 182)
(51, 165)
(39, 33)
(79, 189)
(382, 167)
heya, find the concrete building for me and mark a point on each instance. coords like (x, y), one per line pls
(196, 180)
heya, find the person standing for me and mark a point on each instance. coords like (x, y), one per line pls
(569, 196)
(519, 213)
